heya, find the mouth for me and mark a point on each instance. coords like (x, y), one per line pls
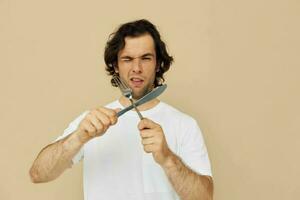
(136, 82)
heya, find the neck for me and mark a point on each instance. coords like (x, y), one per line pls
(146, 106)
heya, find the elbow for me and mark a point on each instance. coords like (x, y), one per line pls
(34, 176)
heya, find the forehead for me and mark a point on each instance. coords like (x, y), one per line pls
(137, 46)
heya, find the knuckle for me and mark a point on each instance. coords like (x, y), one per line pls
(100, 126)
(114, 114)
(114, 120)
(146, 149)
(106, 122)
(97, 127)
(104, 128)
(91, 129)
(110, 111)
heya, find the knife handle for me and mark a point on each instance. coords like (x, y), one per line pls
(120, 113)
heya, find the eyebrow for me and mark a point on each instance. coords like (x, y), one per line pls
(129, 57)
(147, 54)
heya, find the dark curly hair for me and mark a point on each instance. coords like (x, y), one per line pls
(137, 28)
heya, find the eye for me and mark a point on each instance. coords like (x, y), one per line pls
(146, 58)
(126, 59)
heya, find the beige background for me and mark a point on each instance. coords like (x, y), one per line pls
(236, 65)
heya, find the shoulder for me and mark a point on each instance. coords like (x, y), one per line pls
(113, 105)
(176, 113)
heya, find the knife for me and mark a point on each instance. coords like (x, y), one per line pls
(151, 95)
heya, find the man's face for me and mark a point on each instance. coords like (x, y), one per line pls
(137, 64)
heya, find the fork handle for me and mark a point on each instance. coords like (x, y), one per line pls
(138, 112)
(121, 112)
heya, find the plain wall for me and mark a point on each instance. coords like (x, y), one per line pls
(236, 71)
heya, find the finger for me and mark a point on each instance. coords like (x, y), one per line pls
(146, 124)
(148, 141)
(146, 133)
(88, 127)
(117, 110)
(107, 111)
(148, 148)
(115, 117)
(103, 118)
(112, 114)
(98, 124)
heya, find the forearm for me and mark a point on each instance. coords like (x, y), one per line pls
(55, 158)
(188, 184)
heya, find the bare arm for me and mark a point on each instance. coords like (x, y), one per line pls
(188, 184)
(55, 158)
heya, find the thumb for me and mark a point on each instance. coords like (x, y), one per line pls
(117, 109)
(114, 119)
(146, 124)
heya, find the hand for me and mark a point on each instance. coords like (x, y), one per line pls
(96, 122)
(154, 141)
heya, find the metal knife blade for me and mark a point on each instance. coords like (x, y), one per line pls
(151, 95)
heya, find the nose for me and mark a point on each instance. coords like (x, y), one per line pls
(137, 66)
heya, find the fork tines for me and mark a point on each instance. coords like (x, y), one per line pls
(126, 91)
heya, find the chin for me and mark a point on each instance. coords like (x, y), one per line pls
(139, 94)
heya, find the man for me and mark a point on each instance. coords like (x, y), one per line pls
(162, 156)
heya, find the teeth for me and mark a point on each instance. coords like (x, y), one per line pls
(136, 79)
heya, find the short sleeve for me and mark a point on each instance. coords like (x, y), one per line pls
(70, 129)
(193, 150)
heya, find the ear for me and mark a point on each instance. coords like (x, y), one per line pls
(116, 68)
(158, 65)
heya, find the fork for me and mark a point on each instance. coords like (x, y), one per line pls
(127, 92)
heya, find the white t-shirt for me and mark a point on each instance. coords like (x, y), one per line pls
(116, 166)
